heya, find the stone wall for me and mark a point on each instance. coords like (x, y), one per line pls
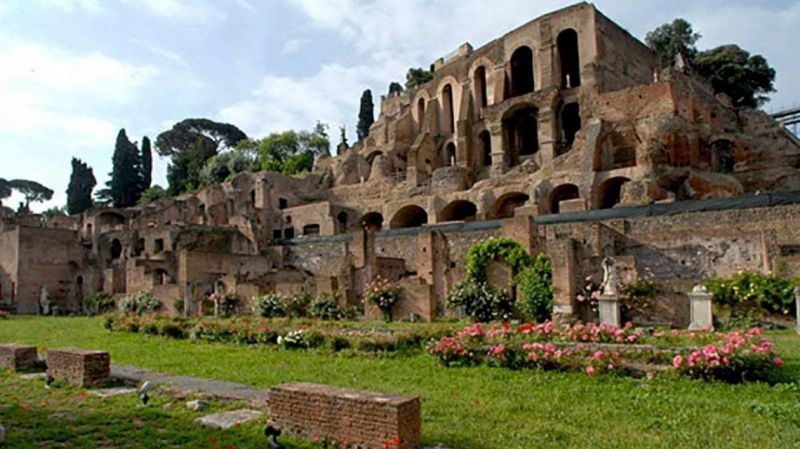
(362, 419)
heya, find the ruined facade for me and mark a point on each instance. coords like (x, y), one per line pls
(565, 134)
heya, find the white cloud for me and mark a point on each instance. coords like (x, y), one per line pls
(73, 5)
(293, 45)
(181, 10)
(246, 5)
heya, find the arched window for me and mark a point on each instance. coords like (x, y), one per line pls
(505, 206)
(420, 112)
(522, 72)
(570, 125)
(409, 217)
(447, 112)
(522, 133)
(562, 193)
(609, 194)
(569, 59)
(116, 249)
(459, 210)
(485, 139)
(449, 155)
(372, 221)
(481, 93)
(342, 220)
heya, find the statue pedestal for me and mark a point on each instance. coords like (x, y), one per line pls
(702, 316)
(610, 311)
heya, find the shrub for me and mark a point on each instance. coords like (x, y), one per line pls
(381, 293)
(326, 307)
(178, 306)
(139, 304)
(481, 301)
(271, 306)
(293, 340)
(507, 250)
(536, 290)
(98, 304)
(636, 296)
(297, 305)
(766, 292)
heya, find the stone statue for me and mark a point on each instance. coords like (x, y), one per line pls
(680, 63)
(610, 277)
(44, 301)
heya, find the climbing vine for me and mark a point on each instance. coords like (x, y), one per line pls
(503, 249)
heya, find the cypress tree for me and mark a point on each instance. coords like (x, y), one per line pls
(366, 115)
(147, 165)
(125, 182)
(79, 191)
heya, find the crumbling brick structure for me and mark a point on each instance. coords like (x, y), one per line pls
(78, 367)
(565, 115)
(361, 419)
(17, 357)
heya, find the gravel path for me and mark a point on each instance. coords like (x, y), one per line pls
(193, 385)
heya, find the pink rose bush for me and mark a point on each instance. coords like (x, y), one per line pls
(600, 349)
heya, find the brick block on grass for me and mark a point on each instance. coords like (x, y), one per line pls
(17, 357)
(79, 367)
(363, 419)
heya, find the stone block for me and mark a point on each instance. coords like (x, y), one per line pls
(227, 420)
(79, 367)
(610, 311)
(700, 310)
(17, 357)
(364, 419)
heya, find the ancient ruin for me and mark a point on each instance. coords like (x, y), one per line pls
(565, 135)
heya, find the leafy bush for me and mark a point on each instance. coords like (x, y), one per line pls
(481, 301)
(381, 293)
(178, 306)
(766, 292)
(297, 305)
(271, 306)
(326, 307)
(225, 304)
(507, 250)
(98, 304)
(637, 296)
(294, 340)
(139, 304)
(536, 289)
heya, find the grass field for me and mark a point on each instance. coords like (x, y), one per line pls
(462, 407)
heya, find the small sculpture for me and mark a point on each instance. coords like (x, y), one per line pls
(610, 277)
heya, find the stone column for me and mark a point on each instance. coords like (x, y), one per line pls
(797, 307)
(499, 158)
(702, 316)
(610, 311)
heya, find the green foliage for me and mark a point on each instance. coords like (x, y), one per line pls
(290, 152)
(124, 186)
(152, 195)
(395, 88)
(637, 296)
(55, 212)
(366, 115)
(271, 306)
(139, 304)
(744, 78)
(481, 301)
(297, 305)
(31, 190)
(179, 305)
(224, 166)
(747, 289)
(502, 249)
(326, 307)
(536, 290)
(5, 189)
(79, 191)
(98, 304)
(672, 38)
(190, 144)
(417, 77)
(146, 175)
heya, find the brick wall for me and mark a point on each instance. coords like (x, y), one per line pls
(79, 367)
(362, 419)
(17, 357)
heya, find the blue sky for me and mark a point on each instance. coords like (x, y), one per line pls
(72, 72)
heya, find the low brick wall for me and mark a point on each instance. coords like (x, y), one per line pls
(79, 367)
(17, 357)
(363, 419)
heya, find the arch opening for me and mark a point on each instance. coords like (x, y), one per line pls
(609, 194)
(506, 205)
(372, 221)
(481, 92)
(116, 249)
(342, 221)
(409, 217)
(522, 133)
(522, 81)
(570, 125)
(447, 106)
(459, 210)
(723, 157)
(485, 139)
(569, 58)
(565, 192)
(420, 112)
(448, 155)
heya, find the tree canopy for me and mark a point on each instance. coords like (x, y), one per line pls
(190, 144)
(31, 190)
(147, 164)
(395, 88)
(290, 152)
(124, 186)
(417, 77)
(744, 78)
(366, 115)
(225, 165)
(153, 194)
(81, 184)
(672, 38)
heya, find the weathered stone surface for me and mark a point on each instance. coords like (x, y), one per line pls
(227, 420)
(111, 392)
(365, 419)
(78, 367)
(702, 317)
(197, 405)
(17, 357)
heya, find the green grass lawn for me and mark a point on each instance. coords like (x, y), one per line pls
(462, 407)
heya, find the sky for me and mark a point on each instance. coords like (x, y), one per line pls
(73, 72)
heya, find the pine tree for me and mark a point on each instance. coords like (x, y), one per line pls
(366, 115)
(147, 165)
(79, 191)
(125, 177)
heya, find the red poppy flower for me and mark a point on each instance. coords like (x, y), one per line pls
(396, 441)
(83, 395)
(212, 439)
